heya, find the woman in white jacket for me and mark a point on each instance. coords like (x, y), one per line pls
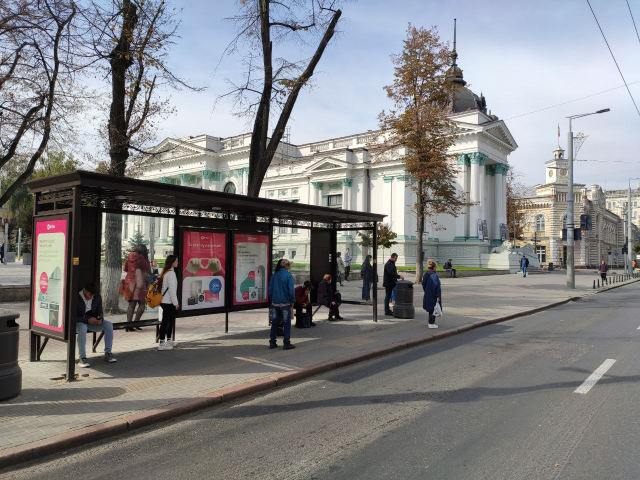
(168, 283)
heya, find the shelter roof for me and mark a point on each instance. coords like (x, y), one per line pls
(99, 187)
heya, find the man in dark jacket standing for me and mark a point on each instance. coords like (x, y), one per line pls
(89, 317)
(389, 281)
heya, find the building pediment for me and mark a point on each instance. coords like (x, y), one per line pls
(499, 131)
(327, 163)
(171, 148)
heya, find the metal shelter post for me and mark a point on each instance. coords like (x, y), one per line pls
(375, 271)
(73, 267)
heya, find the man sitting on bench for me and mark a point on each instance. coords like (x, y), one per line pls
(448, 266)
(90, 318)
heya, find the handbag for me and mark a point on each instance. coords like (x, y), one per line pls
(124, 290)
(437, 310)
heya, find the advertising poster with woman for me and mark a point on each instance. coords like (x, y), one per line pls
(250, 280)
(203, 269)
(49, 267)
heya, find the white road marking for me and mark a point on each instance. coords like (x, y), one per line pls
(638, 328)
(594, 377)
(280, 366)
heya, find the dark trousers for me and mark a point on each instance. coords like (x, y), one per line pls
(334, 311)
(603, 276)
(452, 273)
(388, 293)
(347, 269)
(366, 289)
(432, 318)
(168, 320)
(301, 310)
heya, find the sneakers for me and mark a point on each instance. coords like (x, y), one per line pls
(288, 346)
(164, 346)
(433, 325)
(339, 318)
(108, 357)
(172, 343)
(389, 313)
(82, 363)
(272, 346)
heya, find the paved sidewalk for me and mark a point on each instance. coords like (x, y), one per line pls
(208, 360)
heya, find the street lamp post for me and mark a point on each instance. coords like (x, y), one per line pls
(571, 271)
(630, 229)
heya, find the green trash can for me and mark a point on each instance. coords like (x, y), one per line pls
(10, 372)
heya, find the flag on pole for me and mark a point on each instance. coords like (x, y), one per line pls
(558, 130)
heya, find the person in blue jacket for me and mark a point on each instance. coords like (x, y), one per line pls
(432, 292)
(282, 296)
(524, 264)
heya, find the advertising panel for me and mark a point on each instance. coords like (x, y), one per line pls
(251, 262)
(203, 266)
(49, 275)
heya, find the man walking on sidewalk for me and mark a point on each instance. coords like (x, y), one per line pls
(603, 269)
(389, 281)
(282, 296)
(347, 264)
(524, 264)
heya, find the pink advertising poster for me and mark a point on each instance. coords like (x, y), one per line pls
(49, 267)
(203, 266)
(251, 257)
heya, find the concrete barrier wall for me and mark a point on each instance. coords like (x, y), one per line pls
(14, 293)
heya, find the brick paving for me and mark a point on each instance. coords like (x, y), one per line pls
(207, 359)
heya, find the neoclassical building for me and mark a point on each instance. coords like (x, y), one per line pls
(343, 173)
(546, 216)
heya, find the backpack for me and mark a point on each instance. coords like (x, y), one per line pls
(154, 297)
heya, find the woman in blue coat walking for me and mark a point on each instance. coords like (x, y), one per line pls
(432, 292)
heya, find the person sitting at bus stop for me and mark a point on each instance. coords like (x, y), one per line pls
(282, 297)
(90, 318)
(328, 298)
(303, 304)
(448, 266)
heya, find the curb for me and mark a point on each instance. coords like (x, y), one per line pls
(35, 450)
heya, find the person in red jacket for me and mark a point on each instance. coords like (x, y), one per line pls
(138, 268)
(303, 305)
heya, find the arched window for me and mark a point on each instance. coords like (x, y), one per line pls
(230, 188)
(540, 223)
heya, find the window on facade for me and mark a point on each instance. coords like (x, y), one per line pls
(634, 214)
(541, 251)
(292, 254)
(230, 188)
(540, 223)
(334, 201)
(282, 229)
(564, 222)
(280, 254)
(609, 205)
(294, 229)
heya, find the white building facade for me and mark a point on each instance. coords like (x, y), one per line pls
(343, 173)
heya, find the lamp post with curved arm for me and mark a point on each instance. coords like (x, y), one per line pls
(571, 266)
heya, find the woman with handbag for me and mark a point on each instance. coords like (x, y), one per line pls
(168, 284)
(135, 283)
(432, 301)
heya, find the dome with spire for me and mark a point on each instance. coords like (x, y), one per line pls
(464, 99)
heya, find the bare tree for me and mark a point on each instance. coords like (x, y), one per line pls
(276, 82)
(37, 83)
(130, 42)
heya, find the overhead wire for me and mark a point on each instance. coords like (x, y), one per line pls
(613, 56)
(633, 20)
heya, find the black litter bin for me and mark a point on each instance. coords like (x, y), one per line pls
(551, 266)
(404, 300)
(10, 372)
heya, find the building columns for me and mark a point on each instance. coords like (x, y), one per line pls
(317, 193)
(476, 192)
(388, 199)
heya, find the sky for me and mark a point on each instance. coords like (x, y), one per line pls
(523, 55)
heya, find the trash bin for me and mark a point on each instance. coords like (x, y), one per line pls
(551, 266)
(10, 372)
(404, 300)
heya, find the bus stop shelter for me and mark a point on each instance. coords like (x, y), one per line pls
(67, 245)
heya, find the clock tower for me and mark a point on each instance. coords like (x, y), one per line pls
(558, 168)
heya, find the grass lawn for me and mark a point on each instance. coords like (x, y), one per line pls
(440, 268)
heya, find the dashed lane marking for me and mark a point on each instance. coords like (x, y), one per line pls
(594, 377)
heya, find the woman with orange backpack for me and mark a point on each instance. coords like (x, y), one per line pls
(168, 283)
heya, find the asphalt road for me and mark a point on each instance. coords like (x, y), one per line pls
(494, 403)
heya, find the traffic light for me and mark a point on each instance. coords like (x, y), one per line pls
(625, 249)
(585, 222)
